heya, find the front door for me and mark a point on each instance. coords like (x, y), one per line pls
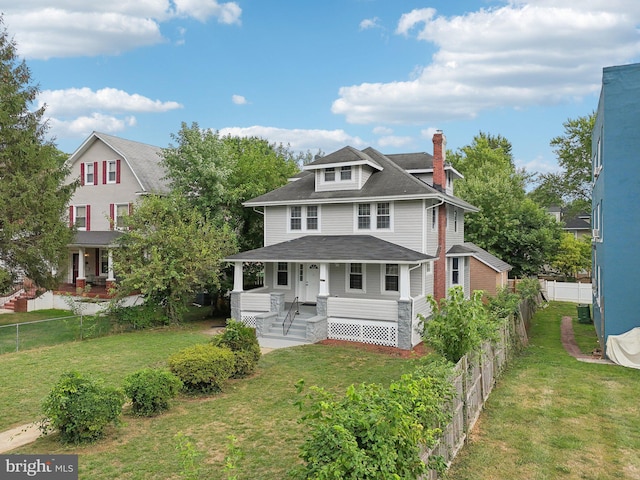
(310, 282)
(74, 269)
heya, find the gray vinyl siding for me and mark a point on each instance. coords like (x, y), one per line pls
(100, 196)
(275, 229)
(270, 281)
(337, 184)
(417, 278)
(453, 237)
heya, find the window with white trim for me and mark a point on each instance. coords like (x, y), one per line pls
(121, 211)
(89, 173)
(282, 274)
(391, 277)
(383, 212)
(455, 220)
(345, 173)
(304, 218)
(112, 167)
(80, 217)
(356, 277)
(104, 261)
(434, 218)
(455, 271)
(329, 174)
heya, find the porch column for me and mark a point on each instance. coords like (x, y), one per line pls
(237, 277)
(324, 280)
(81, 280)
(110, 282)
(405, 282)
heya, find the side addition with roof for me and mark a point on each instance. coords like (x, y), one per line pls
(113, 173)
(360, 238)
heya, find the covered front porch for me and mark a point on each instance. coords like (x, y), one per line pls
(90, 261)
(356, 288)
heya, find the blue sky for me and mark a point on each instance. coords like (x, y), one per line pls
(324, 74)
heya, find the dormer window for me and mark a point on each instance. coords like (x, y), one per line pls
(345, 173)
(330, 174)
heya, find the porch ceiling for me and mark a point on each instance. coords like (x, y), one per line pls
(95, 239)
(333, 248)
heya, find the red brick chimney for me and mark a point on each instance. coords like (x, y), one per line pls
(439, 182)
(439, 145)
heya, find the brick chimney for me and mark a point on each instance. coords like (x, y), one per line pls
(439, 145)
(439, 182)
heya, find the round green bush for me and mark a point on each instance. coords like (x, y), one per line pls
(242, 341)
(150, 390)
(80, 408)
(203, 368)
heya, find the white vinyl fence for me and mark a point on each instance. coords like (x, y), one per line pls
(567, 292)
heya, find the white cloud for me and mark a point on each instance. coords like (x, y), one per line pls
(368, 23)
(538, 165)
(82, 126)
(95, 27)
(298, 139)
(382, 130)
(394, 141)
(239, 99)
(539, 52)
(73, 101)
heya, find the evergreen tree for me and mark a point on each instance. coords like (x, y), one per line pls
(33, 194)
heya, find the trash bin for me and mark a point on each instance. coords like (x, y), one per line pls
(584, 313)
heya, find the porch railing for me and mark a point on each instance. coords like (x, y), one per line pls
(294, 309)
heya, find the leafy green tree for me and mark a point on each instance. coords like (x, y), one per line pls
(33, 194)
(573, 255)
(508, 225)
(170, 253)
(573, 182)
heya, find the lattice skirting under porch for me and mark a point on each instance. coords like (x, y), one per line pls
(363, 331)
(249, 318)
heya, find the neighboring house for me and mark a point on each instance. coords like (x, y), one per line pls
(361, 238)
(113, 174)
(578, 225)
(616, 202)
(486, 271)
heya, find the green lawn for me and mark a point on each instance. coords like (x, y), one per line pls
(552, 417)
(259, 411)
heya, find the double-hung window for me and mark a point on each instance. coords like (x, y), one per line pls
(80, 217)
(121, 211)
(329, 174)
(383, 217)
(282, 274)
(89, 174)
(455, 271)
(365, 213)
(305, 218)
(356, 276)
(345, 173)
(391, 277)
(112, 167)
(364, 216)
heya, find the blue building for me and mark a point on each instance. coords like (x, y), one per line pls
(616, 203)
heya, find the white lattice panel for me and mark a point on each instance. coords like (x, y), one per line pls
(376, 333)
(249, 318)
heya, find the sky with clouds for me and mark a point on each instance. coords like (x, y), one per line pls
(324, 74)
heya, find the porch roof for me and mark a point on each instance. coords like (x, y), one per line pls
(333, 248)
(95, 239)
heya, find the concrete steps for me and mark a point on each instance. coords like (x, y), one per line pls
(297, 331)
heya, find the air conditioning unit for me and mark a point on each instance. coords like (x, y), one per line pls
(595, 233)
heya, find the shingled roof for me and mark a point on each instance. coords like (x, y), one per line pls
(473, 250)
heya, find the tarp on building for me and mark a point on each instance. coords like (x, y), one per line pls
(624, 349)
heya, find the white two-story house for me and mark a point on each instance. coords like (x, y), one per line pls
(360, 238)
(113, 173)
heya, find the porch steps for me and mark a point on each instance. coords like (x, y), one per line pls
(11, 304)
(297, 331)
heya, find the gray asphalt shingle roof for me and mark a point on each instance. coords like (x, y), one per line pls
(391, 181)
(331, 248)
(95, 238)
(485, 257)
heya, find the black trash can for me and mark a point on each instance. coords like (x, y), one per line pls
(584, 313)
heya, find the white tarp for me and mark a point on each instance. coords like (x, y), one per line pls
(624, 349)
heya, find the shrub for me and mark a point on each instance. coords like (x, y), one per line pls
(529, 291)
(504, 304)
(80, 408)
(373, 432)
(242, 341)
(150, 390)
(203, 368)
(138, 316)
(458, 326)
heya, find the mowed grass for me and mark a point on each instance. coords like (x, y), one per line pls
(552, 417)
(259, 411)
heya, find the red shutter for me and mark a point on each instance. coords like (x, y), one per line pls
(111, 216)
(95, 173)
(104, 172)
(118, 171)
(88, 217)
(71, 217)
(82, 174)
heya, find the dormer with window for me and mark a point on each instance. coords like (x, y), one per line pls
(346, 169)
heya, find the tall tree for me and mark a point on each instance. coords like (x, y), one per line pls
(573, 182)
(33, 194)
(508, 225)
(170, 253)
(573, 255)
